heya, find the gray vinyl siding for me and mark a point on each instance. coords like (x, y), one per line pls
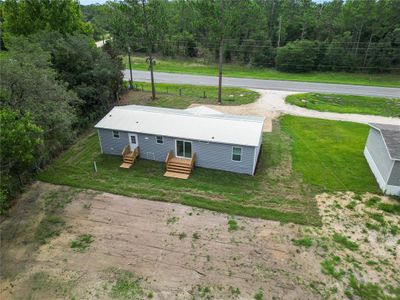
(394, 178)
(219, 156)
(149, 149)
(379, 153)
(111, 145)
(208, 155)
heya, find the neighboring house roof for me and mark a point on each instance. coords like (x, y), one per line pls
(391, 137)
(203, 110)
(199, 123)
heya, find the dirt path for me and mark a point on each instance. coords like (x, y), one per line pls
(271, 104)
(147, 249)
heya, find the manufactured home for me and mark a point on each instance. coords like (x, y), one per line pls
(382, 152)
(183, 138)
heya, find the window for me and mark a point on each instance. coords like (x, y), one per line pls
(115, 134)
(133, 139)
(159, 139)
(236, 153)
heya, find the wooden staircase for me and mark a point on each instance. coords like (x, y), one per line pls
(179, 167)
(129, 157)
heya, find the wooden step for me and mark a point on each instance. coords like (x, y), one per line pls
(179, 164)
(130, 160)
(179, 167)
(176, 175)
(125, 165)
(176, 169)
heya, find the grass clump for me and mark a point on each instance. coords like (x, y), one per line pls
(345, 242)
(377, 217)
(127, 286)
(234, 291)
(372, 201)
(232, 224)
(182, 235)
(369, 291)
(389, 107)
(390, 208)
(172, 220)
(328, 266)
(49, 227)
(259, 295)
(195, 236)
(82, 243)
(306, 242)
(351, 204)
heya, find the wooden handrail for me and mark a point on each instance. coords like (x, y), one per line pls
(136, 151)
(126, 150)
(169, 156)
(193, 160)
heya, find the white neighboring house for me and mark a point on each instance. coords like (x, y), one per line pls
(382, 152)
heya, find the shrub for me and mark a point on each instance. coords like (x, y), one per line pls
(297, 56)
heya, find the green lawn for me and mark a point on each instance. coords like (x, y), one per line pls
(329, 154)
(199, 67)
(326, 155)
(182, 95)
(347, 104)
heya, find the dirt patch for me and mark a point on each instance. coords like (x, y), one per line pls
(149, 249)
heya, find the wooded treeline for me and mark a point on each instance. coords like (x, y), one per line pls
(54, 82)
(292, 35)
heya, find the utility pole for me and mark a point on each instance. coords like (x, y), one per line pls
(130, 69)
(221, 53)
(149, 50)
(366, 52)
(279, 32)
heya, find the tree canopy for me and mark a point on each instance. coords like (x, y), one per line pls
(353, 35)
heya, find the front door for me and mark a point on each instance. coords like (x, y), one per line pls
(133, 140)
(183, 149)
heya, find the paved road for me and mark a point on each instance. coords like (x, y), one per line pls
(279, 85)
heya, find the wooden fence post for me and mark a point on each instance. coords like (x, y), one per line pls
(180, 92)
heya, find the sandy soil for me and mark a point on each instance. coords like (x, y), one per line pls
(179, 252)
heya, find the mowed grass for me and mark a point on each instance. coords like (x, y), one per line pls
(268, 195)
(200, 67)
(329, 154)
(347, 104)
(182, 95)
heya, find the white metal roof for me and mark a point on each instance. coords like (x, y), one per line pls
(200, 123)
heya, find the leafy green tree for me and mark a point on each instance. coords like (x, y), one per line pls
(298, 56)
(89, 71)
(20, 139)
(25, 17)
(29, 85)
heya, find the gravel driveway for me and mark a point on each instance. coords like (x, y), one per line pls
(271, 104)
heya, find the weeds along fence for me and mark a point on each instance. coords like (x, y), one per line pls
(180, 91)
(228, 93)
